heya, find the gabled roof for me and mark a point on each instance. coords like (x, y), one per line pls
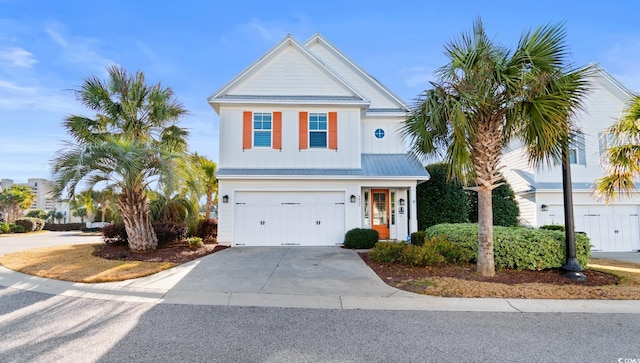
(226, 94)
(374, 166)
(613, 84)
(359, 71)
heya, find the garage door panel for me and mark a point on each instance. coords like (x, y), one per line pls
(289, 218)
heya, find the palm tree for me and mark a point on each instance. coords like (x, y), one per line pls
(14, 200)
(131, 142)
(622, 157)
(207, 175)
(488, 96)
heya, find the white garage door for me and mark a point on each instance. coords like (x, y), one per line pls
(610, 228)
(289, 218)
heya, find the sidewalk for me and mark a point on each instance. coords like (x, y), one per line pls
(290, 277)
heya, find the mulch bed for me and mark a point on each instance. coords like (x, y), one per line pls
(177, 252)
(395, 273)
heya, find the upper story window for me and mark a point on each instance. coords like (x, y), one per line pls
(262, 130)
(262, 127)
(317, 130)
(379, 133)
(577, 151)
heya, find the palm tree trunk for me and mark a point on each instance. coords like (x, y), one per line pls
(134, 208)
(207, 213)
(486, 265)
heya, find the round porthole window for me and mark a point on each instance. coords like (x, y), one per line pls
(379, 133)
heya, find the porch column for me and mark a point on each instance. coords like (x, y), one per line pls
(413, 211)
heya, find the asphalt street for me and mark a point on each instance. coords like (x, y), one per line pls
(36, 327)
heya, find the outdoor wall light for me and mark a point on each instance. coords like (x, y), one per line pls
(353, 198)
(544, 207)
(401, 201)
(225, 199)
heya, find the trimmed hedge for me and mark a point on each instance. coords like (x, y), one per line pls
(361, 238)
(553, 227)
(506, 211)
(517, 247)
(30, 224)
(440, 200)
(64, 227)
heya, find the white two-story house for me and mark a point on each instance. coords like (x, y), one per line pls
(612, 227)
(311, 147)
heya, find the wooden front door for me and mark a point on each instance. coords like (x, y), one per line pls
(380, 212)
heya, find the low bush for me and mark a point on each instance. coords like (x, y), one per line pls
(516, 247)
(553, 227)
(4, 227)
(417, 238)
(208, 229)
(16, 228)
(30, 224)
(387, 251)
(115, 234)
(167, 232)
(361, 238)
(195, 242)
(64, 227)
(434, 252)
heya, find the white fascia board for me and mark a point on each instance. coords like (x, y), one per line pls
(254, 101)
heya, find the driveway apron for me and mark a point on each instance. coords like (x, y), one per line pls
(320, 271)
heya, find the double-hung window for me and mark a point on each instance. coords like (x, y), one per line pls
(262, 127)
(317, 130)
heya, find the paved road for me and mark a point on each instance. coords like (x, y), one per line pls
(37, 327)
(20, 242)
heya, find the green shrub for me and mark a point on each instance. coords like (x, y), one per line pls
(195, 242)
(17, 228)
(434, 252)
(516, 247)
(387, 251)
(504, 206)
(4, 227)
(420, 256)
(30, 224)
(553, 227)
(440, 200)
(417, 238)
(360, 238)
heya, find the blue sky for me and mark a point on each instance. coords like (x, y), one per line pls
(48, 47)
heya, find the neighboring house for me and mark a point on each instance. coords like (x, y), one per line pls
(612, 227)
(311, 147)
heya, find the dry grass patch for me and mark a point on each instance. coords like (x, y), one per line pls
(78, 264)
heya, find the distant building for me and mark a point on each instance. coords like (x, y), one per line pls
(43, 189)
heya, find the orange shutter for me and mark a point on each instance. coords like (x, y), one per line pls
(333, 130)
(247, 129)
(303, 122)
(277, 130)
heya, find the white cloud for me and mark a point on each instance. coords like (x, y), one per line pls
(16, 57)
(79, 51)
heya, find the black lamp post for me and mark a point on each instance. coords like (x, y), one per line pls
(572, 268)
